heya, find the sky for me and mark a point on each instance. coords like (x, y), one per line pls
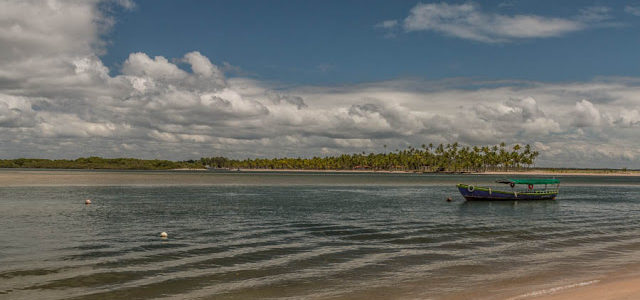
(188, 79)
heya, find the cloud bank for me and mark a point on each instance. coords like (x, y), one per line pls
(58, 100)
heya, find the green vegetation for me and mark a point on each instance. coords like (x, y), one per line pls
(427, 158)
(99, 163)
(441, 158)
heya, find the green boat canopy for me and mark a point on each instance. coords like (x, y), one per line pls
(530, 181)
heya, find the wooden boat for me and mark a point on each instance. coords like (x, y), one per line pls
(530, 192)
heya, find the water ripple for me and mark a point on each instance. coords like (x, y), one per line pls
(231, 242)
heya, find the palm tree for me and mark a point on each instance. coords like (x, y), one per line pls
(452, 158)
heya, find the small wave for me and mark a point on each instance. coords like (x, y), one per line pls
(553, 290)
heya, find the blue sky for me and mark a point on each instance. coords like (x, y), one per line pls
(187, 79)
(336, 42)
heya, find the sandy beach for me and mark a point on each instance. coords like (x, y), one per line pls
(567, 173)
(534, 172)
(319, 171)
(621, 289)
(38, 177)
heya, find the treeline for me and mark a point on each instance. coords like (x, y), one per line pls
(99, 163)
(427, 158)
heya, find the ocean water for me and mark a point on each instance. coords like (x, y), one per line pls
(307, 236)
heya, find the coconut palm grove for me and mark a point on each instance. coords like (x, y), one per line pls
(426, 158)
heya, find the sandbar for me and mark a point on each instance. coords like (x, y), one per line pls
(534, 172)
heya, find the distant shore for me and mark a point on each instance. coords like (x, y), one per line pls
(533, 172)
(47, 177)
(568, 173)
(530, 172)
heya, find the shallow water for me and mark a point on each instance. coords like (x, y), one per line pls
(356, 236)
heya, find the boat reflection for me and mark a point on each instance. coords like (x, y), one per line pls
(525, 208)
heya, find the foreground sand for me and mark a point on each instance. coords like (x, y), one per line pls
(621, 289)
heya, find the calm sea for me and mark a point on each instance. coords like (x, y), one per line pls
(307, 236)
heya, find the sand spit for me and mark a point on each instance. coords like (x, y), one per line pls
(40, 177)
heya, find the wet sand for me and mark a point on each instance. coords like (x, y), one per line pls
(622, 289)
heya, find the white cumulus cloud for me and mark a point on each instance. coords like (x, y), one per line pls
(139, 64)
(586, 114)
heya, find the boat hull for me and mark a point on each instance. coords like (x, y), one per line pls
(487, 194)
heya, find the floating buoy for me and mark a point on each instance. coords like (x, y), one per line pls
(164, 235)
(449, 199)
(88, 201)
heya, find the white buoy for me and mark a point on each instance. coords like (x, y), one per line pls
(164, 235)
(88, 201)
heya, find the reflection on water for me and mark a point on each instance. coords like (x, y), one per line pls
(392, 239)
(509, 208)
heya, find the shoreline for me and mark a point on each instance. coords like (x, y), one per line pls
(569, 172)
(620, 283)
(533, 172)
(605, 289)
(74, 177)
